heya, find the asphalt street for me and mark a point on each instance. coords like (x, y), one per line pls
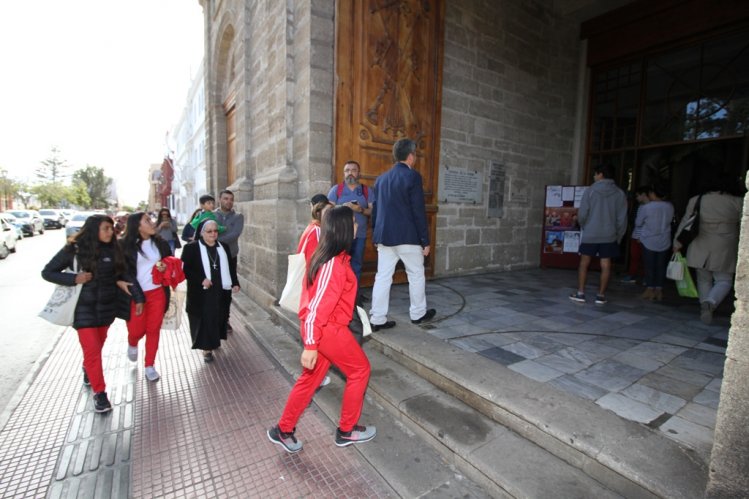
(25, 337)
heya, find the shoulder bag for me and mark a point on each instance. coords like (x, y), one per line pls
(692, 227)
(60, 309)
(292, 291)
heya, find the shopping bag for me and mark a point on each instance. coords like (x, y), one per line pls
(685, 286)
(60, 309)
(675, 269)
(173, 316)
(292, 291)
(365, 325)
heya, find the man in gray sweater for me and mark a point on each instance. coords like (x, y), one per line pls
(603, 218)
(234, 223)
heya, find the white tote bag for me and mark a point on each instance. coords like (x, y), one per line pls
(292, 291)
(173, 315)
(365, 325)
(675, 269)
(60, 309)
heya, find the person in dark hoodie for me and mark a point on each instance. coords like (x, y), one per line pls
(603, 218)
(100, 268)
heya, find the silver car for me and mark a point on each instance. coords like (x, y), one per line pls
(75, 223)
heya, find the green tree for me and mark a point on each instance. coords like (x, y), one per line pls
(8, 186)
(52, 169)
(143, 206)
(96, 183)
(50, 194)
(78, 195)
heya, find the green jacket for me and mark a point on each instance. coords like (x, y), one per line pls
(205, 215)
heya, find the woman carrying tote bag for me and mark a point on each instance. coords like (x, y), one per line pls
(101, 273)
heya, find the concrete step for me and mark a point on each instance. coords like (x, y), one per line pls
(504, 463)
(626, 457)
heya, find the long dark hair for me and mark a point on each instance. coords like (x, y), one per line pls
(86, 244)
(132, 240)
(164, 210)
(336, 236)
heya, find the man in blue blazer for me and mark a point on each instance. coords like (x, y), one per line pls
(400, 233)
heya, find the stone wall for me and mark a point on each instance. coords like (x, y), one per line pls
(277, 57)
(509, 95)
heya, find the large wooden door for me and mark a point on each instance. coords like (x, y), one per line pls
(389, 81)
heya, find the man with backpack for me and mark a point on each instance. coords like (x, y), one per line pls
(359, 198)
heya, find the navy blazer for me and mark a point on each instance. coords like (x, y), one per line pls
(399, 214)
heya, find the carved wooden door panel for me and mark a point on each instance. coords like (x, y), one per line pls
(389, 80)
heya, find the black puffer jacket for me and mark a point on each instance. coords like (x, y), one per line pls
(100, 301)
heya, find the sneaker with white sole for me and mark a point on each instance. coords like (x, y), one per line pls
(132, 353)
(357, 435)
(101, 402)
(152, 374)
(286, 440)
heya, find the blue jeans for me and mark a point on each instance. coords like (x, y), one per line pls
(655, 266)
(173, 245)
(357, 255)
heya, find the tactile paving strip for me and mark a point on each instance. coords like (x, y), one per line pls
(200, 431)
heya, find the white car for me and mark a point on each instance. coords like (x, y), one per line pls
(75, 223)
(7, 238)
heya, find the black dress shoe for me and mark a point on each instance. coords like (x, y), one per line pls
(429, 315)
(387, 325)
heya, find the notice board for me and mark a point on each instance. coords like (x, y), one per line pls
(560, 236)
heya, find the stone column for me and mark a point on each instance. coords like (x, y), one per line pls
(729, 462)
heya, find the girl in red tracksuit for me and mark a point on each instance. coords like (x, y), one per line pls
(325, 312)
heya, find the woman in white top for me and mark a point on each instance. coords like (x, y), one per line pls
(144, 250)
(653, 224)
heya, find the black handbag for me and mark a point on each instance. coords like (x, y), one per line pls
(692, 227)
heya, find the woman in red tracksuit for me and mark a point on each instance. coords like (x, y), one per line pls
(145, 250)
(325, 312)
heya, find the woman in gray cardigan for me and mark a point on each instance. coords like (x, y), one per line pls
(714, 251)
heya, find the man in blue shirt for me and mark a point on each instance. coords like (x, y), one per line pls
(358, 197)
(400, 233)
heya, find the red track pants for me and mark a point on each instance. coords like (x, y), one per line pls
(635, 258)
(339, 347)
(92, 341)
(148, 323)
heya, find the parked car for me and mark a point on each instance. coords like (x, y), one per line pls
(7, 239)
(53, 219)
(32, 220)
(75, 223)
(15, 223)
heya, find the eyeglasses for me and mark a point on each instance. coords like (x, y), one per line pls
(210, 231)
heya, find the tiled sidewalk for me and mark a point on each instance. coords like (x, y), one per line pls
(650, 362)
(200, 431)
(197, 432)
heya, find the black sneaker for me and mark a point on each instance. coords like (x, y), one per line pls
(101, 402)
(85, 378)
(286, 440)
(387, 325)
(429, 315)
(358, 435)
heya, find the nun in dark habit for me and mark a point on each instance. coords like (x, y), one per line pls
(211, 279)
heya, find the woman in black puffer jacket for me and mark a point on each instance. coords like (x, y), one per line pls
(101, 271)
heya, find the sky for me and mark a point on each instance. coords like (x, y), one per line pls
(101, 80)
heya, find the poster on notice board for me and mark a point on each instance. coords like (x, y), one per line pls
(561, 230)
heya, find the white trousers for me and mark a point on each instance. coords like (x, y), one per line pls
(413, 259)
(713, 287)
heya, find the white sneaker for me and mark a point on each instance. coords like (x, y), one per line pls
(132, 353)
(151, 374)
(325, 381)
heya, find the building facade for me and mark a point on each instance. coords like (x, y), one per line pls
(189, 142)
(514, 95)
